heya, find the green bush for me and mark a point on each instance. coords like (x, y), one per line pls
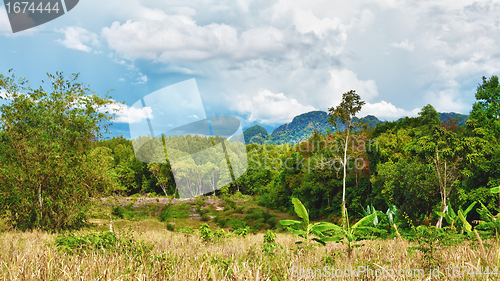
(237, 223)
(219, 235)
(209, 236)
(242, 232)
(174, 211)
(200, 202)
(49, 165)
(170, 227)
(101, 242)
(205, 232)
(118, 211)
(269, 244)
(259, 219)
(200, 211)
(231, 204)
(221, 221)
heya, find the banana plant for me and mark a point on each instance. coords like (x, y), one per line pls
(351, 234)
(371, 210)
(391, 214)
(305, 229)
(495, 189)
(455, 218)
(489, 224)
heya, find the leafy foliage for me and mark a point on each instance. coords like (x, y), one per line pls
(101, 242)
(305, 229)
(349, 235)
(48, 168)
(269, 244)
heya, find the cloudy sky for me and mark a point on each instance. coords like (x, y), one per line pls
(266, 61)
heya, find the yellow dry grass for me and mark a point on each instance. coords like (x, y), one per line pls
(33, 256)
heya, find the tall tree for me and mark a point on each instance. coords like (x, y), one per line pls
(484, 126)
(344, 113)
(486, 109)
(47, 173)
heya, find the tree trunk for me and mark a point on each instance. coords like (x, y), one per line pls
(343, 181)
(40, 201)
(439, 223)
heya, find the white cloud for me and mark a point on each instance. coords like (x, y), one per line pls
(174, 37)
(315, 50)
(385, 109)
(270, 108)
(447, 101)
(4, 23)
(405, 45)
(142, 78)
(306, 21)
(78, 38)
(345, 80)
(126, 114)
(179, 38)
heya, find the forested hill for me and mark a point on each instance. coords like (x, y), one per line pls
(302, 126)
(460, 117)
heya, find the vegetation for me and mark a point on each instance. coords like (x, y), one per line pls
(48, 164)
(437, 180)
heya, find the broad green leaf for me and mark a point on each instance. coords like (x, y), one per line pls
(441, 214)
(289, 222)
(324, 226)
(467, 225)
(469, 208)
(452, 213)
(369, 228)
(332, 239)
(363, 221)
(317, 233)
(375, 220)
(300, 210)
(495, 189)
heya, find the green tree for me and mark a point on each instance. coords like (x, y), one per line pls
(443, 150)
(483, 127)
(47, 174)
(486, 109)
(344, 113)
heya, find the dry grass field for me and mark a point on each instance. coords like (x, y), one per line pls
(165, 255)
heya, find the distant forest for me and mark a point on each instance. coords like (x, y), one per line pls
(414, 163)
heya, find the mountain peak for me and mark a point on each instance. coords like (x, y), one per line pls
(302, 126)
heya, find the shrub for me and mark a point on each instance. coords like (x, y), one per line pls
(49, 166)
(231, 204)
(200, 202)
(101, 242)
(174, 211)
(118, 211)
(243, 232)
(269, 244)
(221, 221)
(205, 232)
(170, 227)
(237, 223)
(207, 235)
(219, 235)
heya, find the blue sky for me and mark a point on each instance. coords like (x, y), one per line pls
(266, 61)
